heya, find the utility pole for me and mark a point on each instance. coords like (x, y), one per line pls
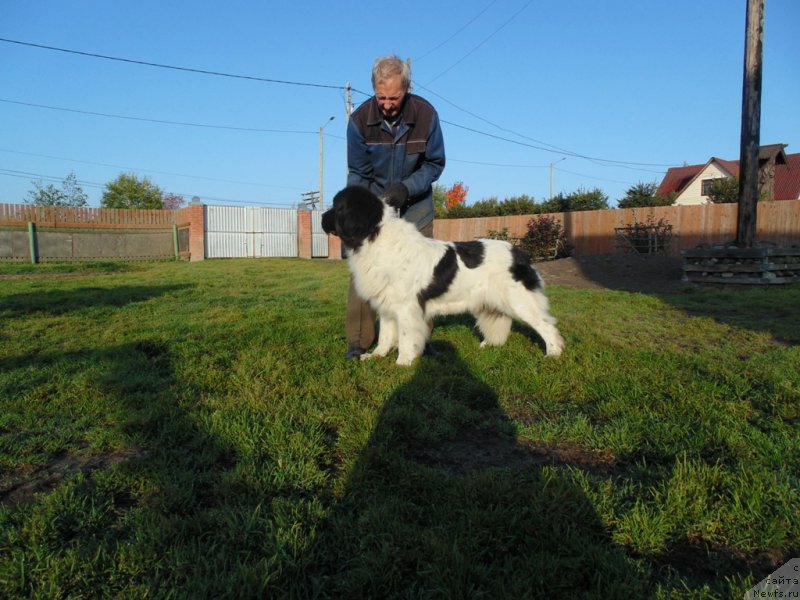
(309, 199)
(322, 160)
(348, 110)
(551, 175)
(751, 125)
(348, 102)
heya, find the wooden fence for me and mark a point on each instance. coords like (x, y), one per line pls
(44, 233)
(592, 232)
(19, 215)
(589, 232)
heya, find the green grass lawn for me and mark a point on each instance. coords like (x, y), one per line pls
(174, 430)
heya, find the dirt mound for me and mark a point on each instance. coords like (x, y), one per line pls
(649, 274)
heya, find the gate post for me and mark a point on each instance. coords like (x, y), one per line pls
(334, 247)
(32, 243)
(304, 248)
(197, 232)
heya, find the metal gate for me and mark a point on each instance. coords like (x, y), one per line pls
(319, 239)
(248, 232)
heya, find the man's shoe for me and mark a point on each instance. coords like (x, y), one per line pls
(353, 352)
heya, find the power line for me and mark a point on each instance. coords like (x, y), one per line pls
(159, 121)
(95, 185)
(505, 165)
(495, 125)
(594, 177)
(552, 149)
(488, 164)
(162, 121)
(573, 154)
(470, 22)
(172, 67)
(39, 176)
(140, 170)
(482, 42)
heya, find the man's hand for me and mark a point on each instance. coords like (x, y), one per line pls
(396, 195)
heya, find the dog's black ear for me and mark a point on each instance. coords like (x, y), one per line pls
(358, 215)
(329, 221)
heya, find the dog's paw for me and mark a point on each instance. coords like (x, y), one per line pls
(556, 349)
(405, 361)
(378, 352)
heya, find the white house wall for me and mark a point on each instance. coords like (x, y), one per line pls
(694, 193)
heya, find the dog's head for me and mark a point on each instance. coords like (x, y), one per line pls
(355, 217)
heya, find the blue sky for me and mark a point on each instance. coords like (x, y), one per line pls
(611, 93)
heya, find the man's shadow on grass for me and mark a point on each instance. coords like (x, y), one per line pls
(445, 500)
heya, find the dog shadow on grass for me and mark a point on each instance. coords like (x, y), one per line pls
(445, 500)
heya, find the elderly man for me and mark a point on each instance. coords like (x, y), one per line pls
(395, 148)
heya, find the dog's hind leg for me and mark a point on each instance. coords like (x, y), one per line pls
(494, 326)
(532, 308)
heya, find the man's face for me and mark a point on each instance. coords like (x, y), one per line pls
(390, 92)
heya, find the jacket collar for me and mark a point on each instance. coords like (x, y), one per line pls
(408, 114)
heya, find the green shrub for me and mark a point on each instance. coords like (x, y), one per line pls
(545, 239)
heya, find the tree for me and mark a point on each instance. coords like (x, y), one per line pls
(127, 191)
(439, 200)
(519, 205)
(582, 199)
(724, 190)
(456, 194)
(644, 195)
(70, 194)
(172, 201)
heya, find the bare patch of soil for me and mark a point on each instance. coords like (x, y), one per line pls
(648, 274)
(473, 451)
(22, 488)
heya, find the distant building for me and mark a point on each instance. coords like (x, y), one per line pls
(778, 177)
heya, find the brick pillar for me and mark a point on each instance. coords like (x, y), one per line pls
(334, 247)
(304, 233)
(197, 232)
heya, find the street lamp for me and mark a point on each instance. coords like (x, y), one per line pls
(322, 159)
(551, 175)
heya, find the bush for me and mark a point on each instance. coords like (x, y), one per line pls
(724, 191)
(545, 239)
(499, 235)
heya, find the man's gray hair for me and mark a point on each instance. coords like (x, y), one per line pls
(388, 66)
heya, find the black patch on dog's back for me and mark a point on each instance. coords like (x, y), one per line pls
(443, 275)
(522, 270)
(472, 253)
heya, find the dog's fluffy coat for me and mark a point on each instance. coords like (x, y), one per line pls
(409, 279)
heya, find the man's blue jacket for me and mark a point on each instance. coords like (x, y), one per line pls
(413, 154)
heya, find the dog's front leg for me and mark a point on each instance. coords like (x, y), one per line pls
(414, 331)
(387, 338)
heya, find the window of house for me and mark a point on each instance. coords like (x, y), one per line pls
(706, 186)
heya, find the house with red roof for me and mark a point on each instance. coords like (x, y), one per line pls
(778, 177)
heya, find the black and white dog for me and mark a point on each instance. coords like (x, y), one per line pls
(409, 278)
